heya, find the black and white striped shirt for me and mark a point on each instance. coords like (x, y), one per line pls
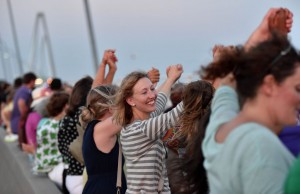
(144, 150)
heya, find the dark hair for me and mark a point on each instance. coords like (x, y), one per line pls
(222, 66)
(176, 93)
(56, 84)
(195, 180)
(250, 67)
(197, 97)
(28, 77)
(56, 103)
(123, 113)
(18, 82)
(79, 94)
(259, 61)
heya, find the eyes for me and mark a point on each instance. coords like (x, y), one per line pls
(145, 91)
(297, 89)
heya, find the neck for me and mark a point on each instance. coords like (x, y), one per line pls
(137, 115)
(105, 116)
(59, 116)
(252, 112)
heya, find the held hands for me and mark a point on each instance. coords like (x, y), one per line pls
(281, 22)
(277, 20)
(109, 58)
(228, 80)
(154, 75)
(219, 49)
(174, 72)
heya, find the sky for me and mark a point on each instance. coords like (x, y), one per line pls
(145, 34)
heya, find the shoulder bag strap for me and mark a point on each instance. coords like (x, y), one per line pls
(119, 175)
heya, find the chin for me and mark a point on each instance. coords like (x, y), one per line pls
(292, 122)
(153, 109)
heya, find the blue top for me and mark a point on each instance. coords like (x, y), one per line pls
(290, 137)
(101, 167)
(251, 160)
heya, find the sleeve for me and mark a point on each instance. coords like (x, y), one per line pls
(224, 105)
(156, 127)
(224, 108)
(160, 104)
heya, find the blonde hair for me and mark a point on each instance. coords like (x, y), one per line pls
(123, 113)
(99, 100)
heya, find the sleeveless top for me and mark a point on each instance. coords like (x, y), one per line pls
(101, 167)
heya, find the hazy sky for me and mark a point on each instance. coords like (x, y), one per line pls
(145, 33)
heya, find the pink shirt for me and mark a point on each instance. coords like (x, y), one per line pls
(32, 122)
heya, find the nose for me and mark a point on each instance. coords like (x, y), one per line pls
(152, 94)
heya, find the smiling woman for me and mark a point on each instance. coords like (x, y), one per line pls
(139, 112)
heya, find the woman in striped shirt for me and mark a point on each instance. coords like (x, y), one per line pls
(139, 111)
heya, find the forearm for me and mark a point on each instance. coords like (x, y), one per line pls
(110, 75)
(166, 86)
(99, 78)
(156, 127)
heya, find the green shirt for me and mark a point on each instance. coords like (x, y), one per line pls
(292, 184)
(47, 153)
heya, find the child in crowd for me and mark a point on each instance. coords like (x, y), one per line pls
(48, 159)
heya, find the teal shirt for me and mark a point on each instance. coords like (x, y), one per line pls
(252, 160)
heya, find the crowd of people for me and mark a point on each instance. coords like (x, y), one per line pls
(235, 130)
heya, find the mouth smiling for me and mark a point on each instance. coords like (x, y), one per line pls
(151, 102)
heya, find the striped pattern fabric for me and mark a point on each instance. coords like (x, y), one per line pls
(144, 151)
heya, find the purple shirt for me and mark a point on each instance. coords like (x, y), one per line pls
(22, 93)
(290, 137)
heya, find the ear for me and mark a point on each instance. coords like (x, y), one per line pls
(130, 101)
(110, 110)
(269, 85)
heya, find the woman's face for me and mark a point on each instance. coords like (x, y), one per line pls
(287, 100)
(144, 96)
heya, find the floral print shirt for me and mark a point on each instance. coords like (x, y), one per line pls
(47, 153)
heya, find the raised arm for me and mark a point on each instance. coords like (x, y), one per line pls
(154, 75)
(109, 59)
(156, 127)
(277, 20)
(173, 74)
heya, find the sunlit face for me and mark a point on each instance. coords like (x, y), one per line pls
(144, 96)
(287, 100)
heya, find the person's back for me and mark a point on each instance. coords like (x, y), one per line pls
(102, 175)
(247, 151)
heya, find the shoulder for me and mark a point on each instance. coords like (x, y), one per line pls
(93, 124)
(132, 127)
(258, 143)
